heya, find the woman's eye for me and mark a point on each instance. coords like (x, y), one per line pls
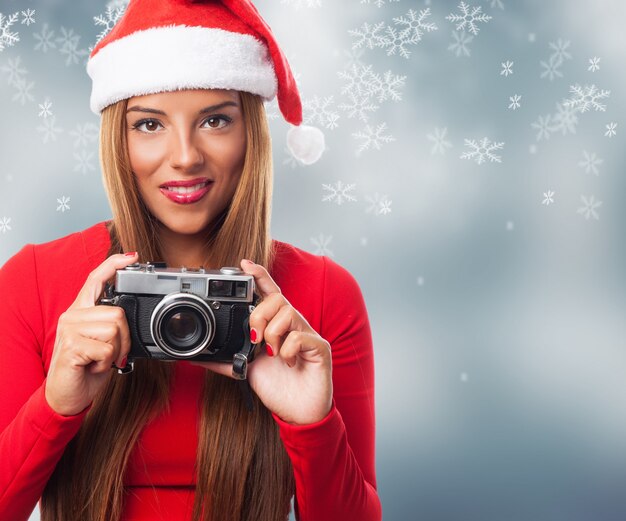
(146, 122)
(217, 118)
(152, 124)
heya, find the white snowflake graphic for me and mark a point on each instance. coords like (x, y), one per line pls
(321, 243)
(482, 150)
(353, 57)
(28, 17)
(548, 198)
(84, 134)
(590, 163)
(544, 127)
(468, 18)
(560, 50)
(83, 161)
(515, 99)
(551, 68)
(589, 208)
(45, 108)
(358, 106)
(565, 118)
(63, 204)
(460, 43)
(107, 21)
(496, 3)
(506, 68)
(438, 138)
(316, 110)
(338, 193)
(594, 64)
(610, 129)
(14, 71)
(23, 91)
(378, 3)
(396, 41)
(387, 87)
(7, 37)
(416, 24)
(48, 129)
(372, 137)
(45, 39)
(378, 204)
(73, 53)
(299, 3)
(370, 36)
(587, 97)
(4, 224)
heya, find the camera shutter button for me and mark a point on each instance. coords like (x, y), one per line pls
(229, 270)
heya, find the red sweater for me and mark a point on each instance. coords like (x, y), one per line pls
(333, 459)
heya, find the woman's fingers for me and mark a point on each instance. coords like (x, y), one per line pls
(92, 289)
(109, 336)
(263, 281)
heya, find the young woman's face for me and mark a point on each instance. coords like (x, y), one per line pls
(195, 136)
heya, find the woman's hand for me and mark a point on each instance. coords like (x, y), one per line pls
(294, 377)
(88, 339)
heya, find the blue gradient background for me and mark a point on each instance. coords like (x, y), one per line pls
(498, 322)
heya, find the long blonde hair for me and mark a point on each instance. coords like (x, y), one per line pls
(243, 472)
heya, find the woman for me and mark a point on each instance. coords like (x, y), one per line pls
(175, 440)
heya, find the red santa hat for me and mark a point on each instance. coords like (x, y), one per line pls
(167, 45)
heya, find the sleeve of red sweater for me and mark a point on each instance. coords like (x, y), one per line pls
(32, 435)
(334, 459)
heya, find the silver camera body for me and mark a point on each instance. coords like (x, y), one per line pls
(186, 313)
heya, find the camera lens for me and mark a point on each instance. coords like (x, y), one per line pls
(183, 325)
(183, 328)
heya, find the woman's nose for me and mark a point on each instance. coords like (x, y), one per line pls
(185, 151)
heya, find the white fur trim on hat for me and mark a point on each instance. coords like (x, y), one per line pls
(179, 57)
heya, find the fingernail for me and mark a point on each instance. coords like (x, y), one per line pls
(253, 335)
(124, 362)
(269, 350)
(248, 261)
(131, 254)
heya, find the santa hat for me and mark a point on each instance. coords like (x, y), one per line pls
(168, 45)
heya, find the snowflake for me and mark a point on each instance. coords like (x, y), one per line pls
(84, 134)
(372, 137)
(565, 119)
(108, 20)
(45, 108)
(551, 68)
(438, 137)
(379, 3)
(4, 224)
(459, 45)
(468, 18)
(358, 106)
(360, 80)
(48, 129)
(8, 38)
(587, 97)
(338, 193)
(316, 110)
(415, 24)
(548, 198)
(28, 17)
(387, 87)
(72, 52)
(67, 38)
(45, 39)
(594, 64)
(321, 243)
(590, 207)
(496, 3)
(514, 101)
(543, 126)
(14, 71)
(83, 161)
(63, 204)
(353, 57)
(380, 205)
(590, 163)
(610, 129)
(506, 68)
(482, 150)
(560, 50)
(394, 41)
(299, 3)
(23, 91)
(369, 35)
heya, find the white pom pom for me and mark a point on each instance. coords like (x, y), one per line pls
(306, 143)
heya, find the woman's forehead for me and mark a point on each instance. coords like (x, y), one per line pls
(201, 95)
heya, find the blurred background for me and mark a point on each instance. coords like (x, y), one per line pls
(473, 183)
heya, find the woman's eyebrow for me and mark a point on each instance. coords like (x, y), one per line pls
(138, 108)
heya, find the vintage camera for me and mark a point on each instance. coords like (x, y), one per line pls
(186, 313)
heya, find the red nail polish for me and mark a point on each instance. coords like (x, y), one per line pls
(253, 335)
(131, 254)
(124, 362)
(268, 348)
